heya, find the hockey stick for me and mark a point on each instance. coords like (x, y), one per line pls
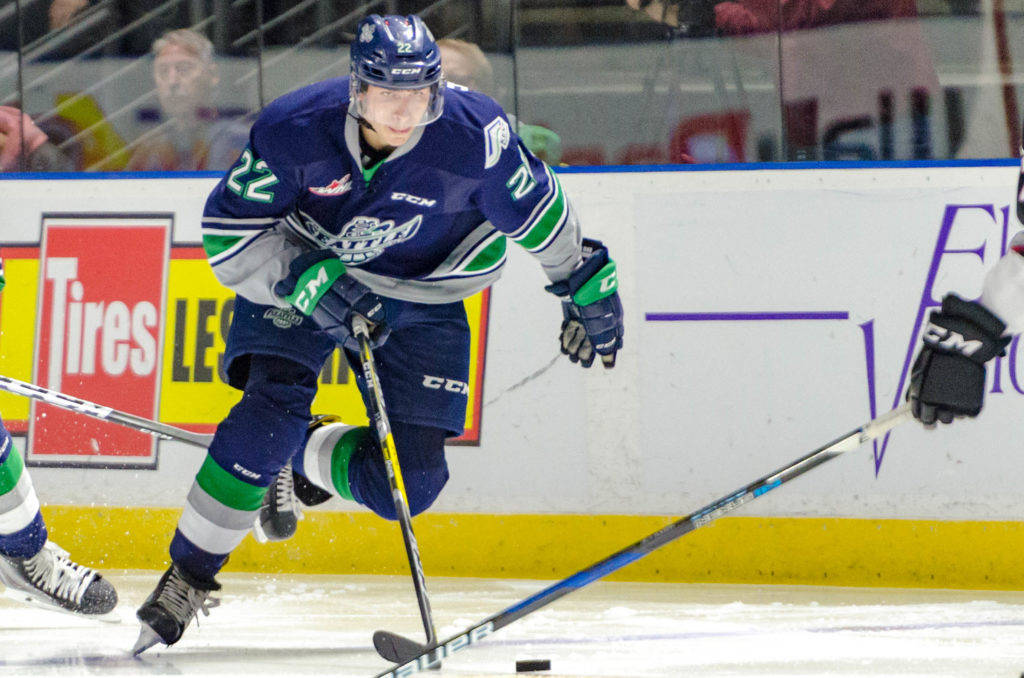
(375, 402)
(165, 431)
(421, 657)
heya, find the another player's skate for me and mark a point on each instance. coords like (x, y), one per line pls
(168, 610)
(51, 579)
(282, 504)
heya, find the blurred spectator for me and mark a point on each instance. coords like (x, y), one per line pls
(190, 135)
(864, 89)
(138, 22)
(465, 64)
(740, 17)
(19, 134)
(61, 12)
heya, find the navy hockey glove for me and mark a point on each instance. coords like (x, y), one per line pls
(318, 286)
(591, 310)
(948, 377)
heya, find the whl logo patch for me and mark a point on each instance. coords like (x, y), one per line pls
(333, 189)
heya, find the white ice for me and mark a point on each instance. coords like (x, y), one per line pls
(285, 625)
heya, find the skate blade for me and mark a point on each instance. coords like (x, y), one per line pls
(112, 617)
(147, 639)
(258, 533)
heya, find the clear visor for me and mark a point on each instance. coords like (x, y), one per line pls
(396, 108)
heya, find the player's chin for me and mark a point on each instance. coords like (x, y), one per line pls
(399, 135)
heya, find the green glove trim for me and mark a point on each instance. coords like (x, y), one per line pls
(314, 283)
(602, 284)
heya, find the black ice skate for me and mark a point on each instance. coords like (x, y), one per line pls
(168, 610)
(51, 579)
(282, 504)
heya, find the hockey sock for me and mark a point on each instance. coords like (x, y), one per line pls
(325, 459)
(22, 531)
(219, 513)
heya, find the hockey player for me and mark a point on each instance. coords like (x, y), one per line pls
(32, 569)
(388, 195)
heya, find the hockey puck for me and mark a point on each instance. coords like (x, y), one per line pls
(525, 665)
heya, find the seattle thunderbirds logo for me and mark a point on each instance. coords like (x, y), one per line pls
(361, 239)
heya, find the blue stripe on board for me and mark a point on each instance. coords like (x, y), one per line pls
(751, 166)
(78, 176)
(584, 169)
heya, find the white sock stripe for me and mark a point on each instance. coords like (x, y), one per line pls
(16, 495)
(316, 460)
(18, 516)
(216, 512)
(207, 535)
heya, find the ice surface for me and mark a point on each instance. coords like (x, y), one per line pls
(286, 625)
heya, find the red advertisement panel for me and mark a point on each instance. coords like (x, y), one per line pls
(102, 286)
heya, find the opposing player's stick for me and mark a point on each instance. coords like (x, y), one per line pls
(165, 431)
(381, 639)
(418, 657)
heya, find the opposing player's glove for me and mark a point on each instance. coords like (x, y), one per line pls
(948, 377)
(318, 286)
(591, 310)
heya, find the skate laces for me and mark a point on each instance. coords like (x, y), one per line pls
(52, 570)
(284, 492)
(183, 600)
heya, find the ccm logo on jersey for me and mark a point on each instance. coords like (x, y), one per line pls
(450, 385)
(951, 341)
(414, 199)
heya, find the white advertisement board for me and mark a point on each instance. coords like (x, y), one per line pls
(768, 312)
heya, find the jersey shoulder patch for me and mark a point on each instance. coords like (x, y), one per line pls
(497, 137)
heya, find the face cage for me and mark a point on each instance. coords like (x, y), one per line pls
(435, 107)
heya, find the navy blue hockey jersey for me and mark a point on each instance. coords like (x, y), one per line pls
(429, 223)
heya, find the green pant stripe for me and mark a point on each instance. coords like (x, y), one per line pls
(340, 458)
(228, 489)
(10, 470)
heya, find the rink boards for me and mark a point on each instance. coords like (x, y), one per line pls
(768, 312)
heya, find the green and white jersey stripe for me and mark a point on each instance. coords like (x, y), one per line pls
(221, 245)
(547, 219)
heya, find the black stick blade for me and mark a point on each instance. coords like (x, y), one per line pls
(396, 648)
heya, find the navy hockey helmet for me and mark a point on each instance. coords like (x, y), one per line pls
(396, 52)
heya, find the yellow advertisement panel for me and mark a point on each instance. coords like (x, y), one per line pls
(193, 391)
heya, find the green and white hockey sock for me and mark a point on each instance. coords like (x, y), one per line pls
(220, 509)
(327, 454)
(22, 531)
